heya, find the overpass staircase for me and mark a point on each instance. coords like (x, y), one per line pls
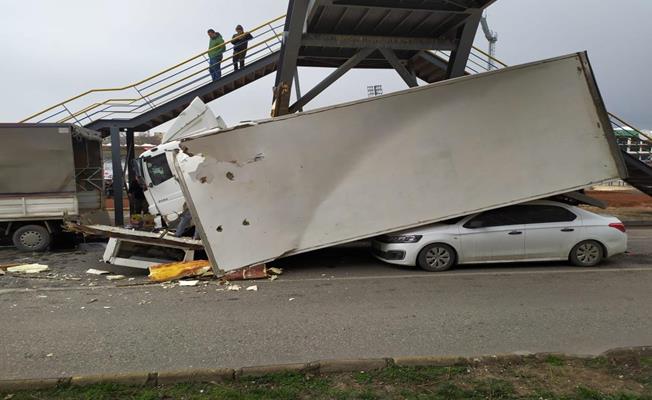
(334, 32)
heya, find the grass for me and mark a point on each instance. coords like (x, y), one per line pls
(597, 379)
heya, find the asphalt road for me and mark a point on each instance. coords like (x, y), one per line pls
(337, 303)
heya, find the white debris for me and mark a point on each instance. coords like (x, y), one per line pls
(273, 277)
(107, 307)
(42, 297)
(291, 299)
(49, 355)
(233, 288)
(188, 283)
(94, 271)
(252, 288)
(115, 277)
(28, 268)
(2, 272)
(275, 271)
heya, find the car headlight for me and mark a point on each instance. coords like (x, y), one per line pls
(400, 238)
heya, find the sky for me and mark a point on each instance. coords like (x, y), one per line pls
(52, 50)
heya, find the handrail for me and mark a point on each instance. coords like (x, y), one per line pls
(133, 85)
(630, 126)
(133, 100)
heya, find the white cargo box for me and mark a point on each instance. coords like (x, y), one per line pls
(357, 170)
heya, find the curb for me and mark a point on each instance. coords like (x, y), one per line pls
(317, 367)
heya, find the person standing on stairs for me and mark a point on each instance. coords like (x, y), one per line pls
(240, 42)
(215, 54)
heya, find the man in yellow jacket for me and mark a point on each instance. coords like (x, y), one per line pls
(215, 54)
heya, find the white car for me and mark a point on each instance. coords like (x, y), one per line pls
(535, 231)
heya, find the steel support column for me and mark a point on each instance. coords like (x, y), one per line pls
(287, 65)
(407, 76)
(297, 87)
(131, 156)
(118, 183)
(330, 79)
(465, 36)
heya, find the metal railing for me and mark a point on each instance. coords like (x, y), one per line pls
(132, 100)
(631, 139)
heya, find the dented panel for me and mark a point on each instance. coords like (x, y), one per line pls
(352, 171)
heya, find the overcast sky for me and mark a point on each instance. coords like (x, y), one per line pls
(52, 50)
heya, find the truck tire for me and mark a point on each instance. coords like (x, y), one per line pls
(32, 238)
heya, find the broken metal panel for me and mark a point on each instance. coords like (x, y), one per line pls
(357, 170)
(160, 239)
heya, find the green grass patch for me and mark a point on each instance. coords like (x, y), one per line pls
(555, 361)
(646, 362)
(408, 375)
(591, 381)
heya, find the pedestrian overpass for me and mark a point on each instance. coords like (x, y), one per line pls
(424, 41)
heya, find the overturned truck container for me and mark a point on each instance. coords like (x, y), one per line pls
(352, 171)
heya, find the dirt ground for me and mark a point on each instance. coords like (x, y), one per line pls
(628, 205)
(544, 377)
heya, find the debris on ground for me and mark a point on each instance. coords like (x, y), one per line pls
(5, 266)
(2, 272)
(233, 288)
(115, 277)
(28, 268)
(252, 288)
(94, 271)
(91, 301)
(178, 270)
(188, 283)
(252, 273)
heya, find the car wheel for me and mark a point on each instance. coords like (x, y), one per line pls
(31, 238)
(587, 254)
(436, 257)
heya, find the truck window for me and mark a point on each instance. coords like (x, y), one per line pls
(158, 169)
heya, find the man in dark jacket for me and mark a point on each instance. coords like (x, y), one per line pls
(240, 42)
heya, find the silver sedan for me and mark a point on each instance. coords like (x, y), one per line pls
(534, 231)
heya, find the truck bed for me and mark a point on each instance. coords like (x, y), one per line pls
(411, 158)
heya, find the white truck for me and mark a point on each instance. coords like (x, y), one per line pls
(352, 171)
(156, 166)
(48, 173)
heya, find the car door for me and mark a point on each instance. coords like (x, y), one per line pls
(495, 235)
(550, 231)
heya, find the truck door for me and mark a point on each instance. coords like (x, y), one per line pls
(163, 188)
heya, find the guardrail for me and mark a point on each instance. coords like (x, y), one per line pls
(134, 99)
